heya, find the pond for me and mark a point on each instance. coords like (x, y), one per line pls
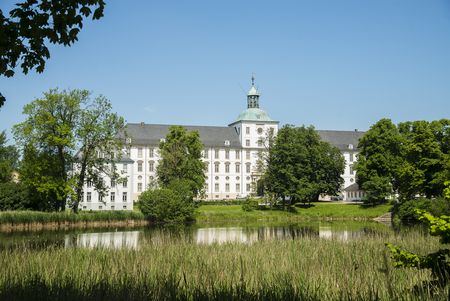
(134, 238)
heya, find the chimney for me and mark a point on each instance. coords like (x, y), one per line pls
(142, 123)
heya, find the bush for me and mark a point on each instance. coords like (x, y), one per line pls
(14, 196)
(250, 205)
(406, 211)
(166, 206)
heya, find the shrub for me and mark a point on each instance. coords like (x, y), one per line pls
(14, 196)
(250, 205)
(406, 211)
(166, 206)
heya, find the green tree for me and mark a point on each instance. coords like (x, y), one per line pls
(301, 166)
(33, 23)
(426, 165)
(181, 159)
(68, 139)
(378, 160)
(9, 158)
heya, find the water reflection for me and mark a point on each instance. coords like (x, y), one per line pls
(112, 240)
(138, 237)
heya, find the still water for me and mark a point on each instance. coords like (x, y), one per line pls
(135, 238)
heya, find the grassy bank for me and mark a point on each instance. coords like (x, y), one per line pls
(336, 211)
(307, 269)
(36, 219)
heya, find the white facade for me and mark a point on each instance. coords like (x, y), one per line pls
(231, 155)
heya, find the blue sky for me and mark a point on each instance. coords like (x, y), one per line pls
(333, 64)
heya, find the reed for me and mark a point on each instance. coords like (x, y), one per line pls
(165, 269)
(29, 217)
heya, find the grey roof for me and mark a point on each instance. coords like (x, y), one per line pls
(211, 136)
(353, 187)
(342, 139)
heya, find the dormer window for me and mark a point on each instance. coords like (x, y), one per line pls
(162, 140)
(128, 141)
(350, 146)
(227, 142)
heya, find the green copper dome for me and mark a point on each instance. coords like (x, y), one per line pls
(254, 114)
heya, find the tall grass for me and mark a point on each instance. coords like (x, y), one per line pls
(307, 269)
(28, 217)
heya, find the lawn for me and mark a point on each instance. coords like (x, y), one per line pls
(338, 211)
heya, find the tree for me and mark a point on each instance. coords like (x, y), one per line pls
(301, 166)
(181, 159)
(378, 160)
(96, 134)
(9, 158)
(68, 138)
(33, 23)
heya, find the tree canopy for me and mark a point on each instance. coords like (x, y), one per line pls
(411, 159)
(181, 153)
(9, 159)
(67, 139)
(33, 23)
(301, 166)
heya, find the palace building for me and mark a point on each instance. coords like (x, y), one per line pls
(231, 154)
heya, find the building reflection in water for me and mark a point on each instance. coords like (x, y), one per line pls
(250, 235)
(112, 240)
(327, 232)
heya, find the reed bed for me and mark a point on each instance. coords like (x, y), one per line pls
(28, 217)
(306, 269)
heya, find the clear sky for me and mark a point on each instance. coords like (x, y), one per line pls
(333, 64)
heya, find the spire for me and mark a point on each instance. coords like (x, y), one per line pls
(253, 96)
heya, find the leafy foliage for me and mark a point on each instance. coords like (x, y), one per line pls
(250, 205)
(301, 166)
(62, 130)
(406, 211)
(165, 205)
(9, 158)
(15, 196)
(438, 262)
(181, 160)
(33, 23)
(410, 159)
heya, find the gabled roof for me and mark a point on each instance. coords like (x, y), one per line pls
(211, 136)
(342, 139)
(353, 187)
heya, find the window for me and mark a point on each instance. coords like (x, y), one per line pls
(100, 198)
(113, 183)
(113, 196)
(112, 207)
(139, 188)
(89, 184)
(216, 167)
(227, 187)
(238, 167)
(248, 187)
(247, 155)
(216, 187)
(247, 142)
(260, 143)
(260, 131)
(216, 154)
(151, 166)
(140, 152)
(124, 207)
(227, 154)
(139, 166)
(227, 167)
(205, 154)
(206, 186)
(238, 187)
(124, 196)
(351, 169)
(247, 130)
(151, 152)
(100, 207)
(238, 154)
(351, 157)
(88, 196)
(124, 168)
(125, 184)
(247, 167)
